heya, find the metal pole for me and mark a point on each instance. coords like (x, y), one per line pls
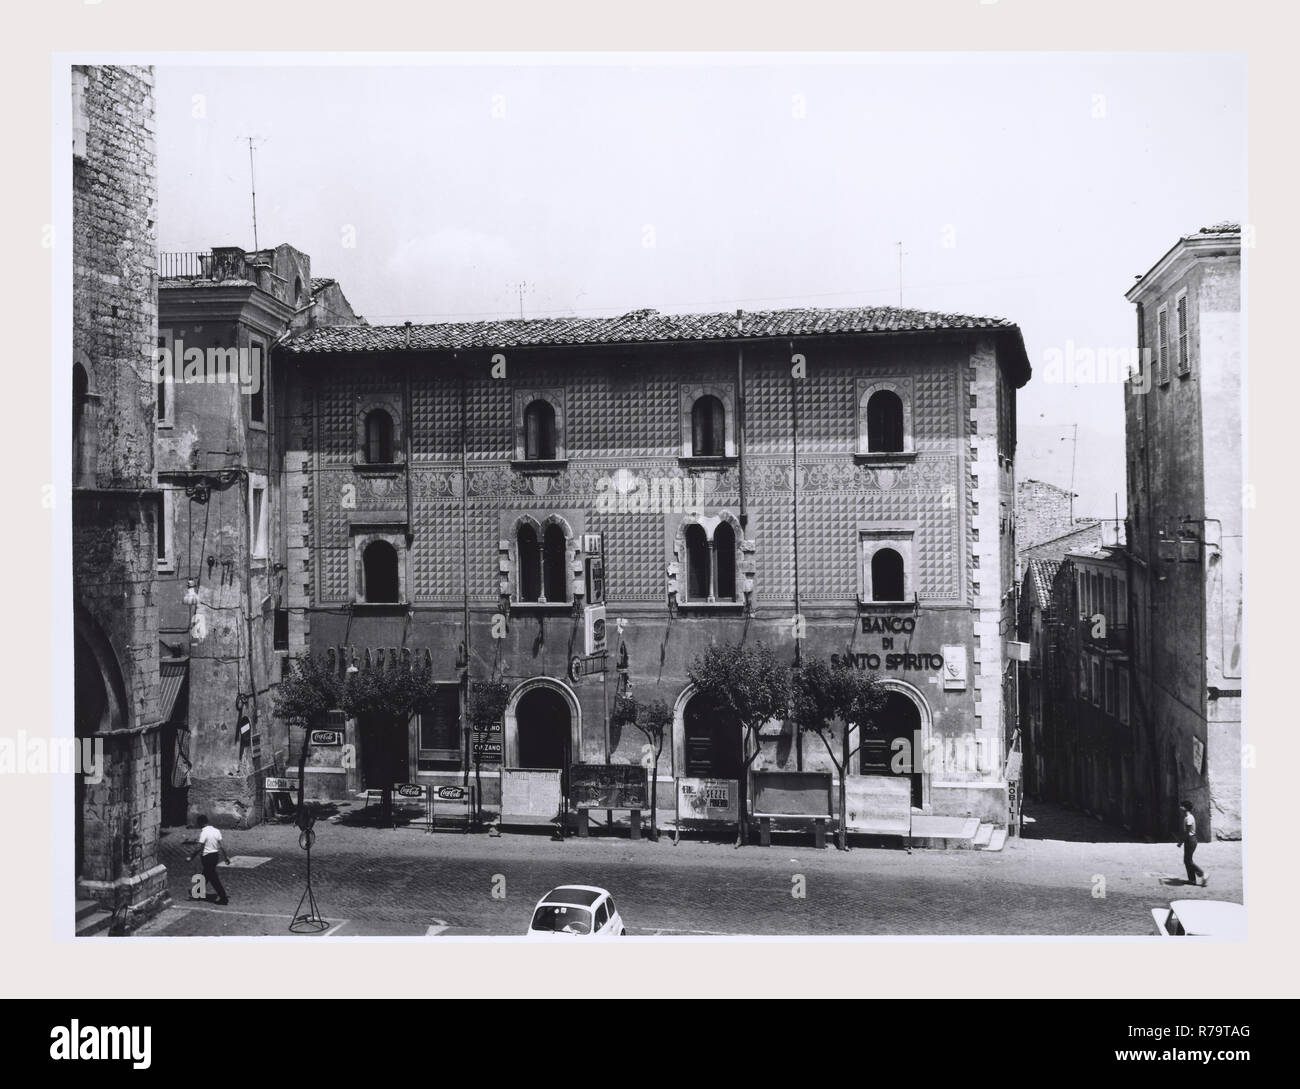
(253, 184)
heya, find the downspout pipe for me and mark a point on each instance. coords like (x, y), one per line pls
(740, 416)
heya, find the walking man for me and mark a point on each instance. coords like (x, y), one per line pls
(212, 847)
(1188, 842)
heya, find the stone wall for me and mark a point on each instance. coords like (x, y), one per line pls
(115, 501)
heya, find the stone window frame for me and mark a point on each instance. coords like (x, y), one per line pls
(555, 397)
(167, 387)
(510, 576)
(901, 537)
(166, 530)
(361, 538)
(366, 404)
(905, 389)
(263, 358)
(261, 532)
(678, 577)
(85, 435)
(689, 393)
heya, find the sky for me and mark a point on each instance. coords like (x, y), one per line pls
(1033, 187)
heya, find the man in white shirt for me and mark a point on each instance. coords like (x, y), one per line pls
(1188, 842)
(212, 847)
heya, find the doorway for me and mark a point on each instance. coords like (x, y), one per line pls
(711, 742)
(900, 718)
(543, 725)
(385, 751)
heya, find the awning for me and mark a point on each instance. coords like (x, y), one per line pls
(173, 676)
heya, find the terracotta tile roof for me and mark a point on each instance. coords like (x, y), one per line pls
(1041, 573)
(636, 326)
(320, 282)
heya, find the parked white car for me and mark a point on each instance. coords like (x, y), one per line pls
(1205, 918)
(576, 911)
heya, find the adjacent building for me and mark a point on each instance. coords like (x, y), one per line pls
(478, 499)
(221, 570)
(115, 499)
(1080, 743)
(1046, 527)
(1185, 532)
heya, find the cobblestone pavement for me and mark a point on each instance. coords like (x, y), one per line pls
(405, 881)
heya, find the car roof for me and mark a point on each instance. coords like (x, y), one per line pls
(584, 895)
(1210, 917)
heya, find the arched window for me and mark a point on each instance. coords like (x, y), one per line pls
(555, 575)
(724, 553)
(379, 437)
(539, 431)
(884, 423)
(886, 575)
(379, 567)
(708, 428)
(80, 421)
(530, 564)
(697, 564)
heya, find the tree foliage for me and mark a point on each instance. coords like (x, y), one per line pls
(822, 693)
(743, 681)
(309, 690)
(487, 703)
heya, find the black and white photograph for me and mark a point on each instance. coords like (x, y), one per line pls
(637, 476)
(690, 504)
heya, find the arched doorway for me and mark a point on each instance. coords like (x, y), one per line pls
(712, 743)
(901, 718)
(99, 707)
(541, 725)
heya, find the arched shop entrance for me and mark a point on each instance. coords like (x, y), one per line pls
(709, 744)
(99, 708)
(904, 716)
(541, 725)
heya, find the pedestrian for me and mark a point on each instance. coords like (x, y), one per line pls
(212, 847)
(1188, 842)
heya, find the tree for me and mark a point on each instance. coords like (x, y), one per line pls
(653, 720)
(392, 692)
(301, 700)
(747, 684)
(485, 710)
(820, 694)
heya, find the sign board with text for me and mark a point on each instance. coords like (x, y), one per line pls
(608, 786)
(530, 795)
(715, 800)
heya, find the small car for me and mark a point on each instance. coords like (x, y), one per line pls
(1203, 918)
(582, 911)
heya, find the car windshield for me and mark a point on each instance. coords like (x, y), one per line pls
(562, 919)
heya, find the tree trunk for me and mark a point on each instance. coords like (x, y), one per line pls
(843, 770)
(302, 769)
(654, 793)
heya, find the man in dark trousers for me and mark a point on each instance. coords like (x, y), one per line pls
(1188, 842)
(212, 847)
